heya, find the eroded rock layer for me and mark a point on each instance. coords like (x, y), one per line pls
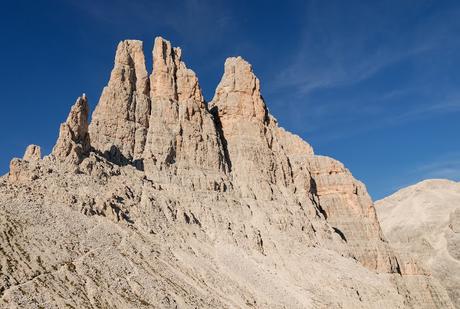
(165, 202)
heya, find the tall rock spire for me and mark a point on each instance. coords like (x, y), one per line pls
(271, 163)
(182, 134)
(229, 190)
(171, 79)
(257, 159)
(120, 120)
(165, 62)
(73, 142)
(238, 93)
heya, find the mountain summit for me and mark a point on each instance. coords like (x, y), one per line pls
(167, 201)
(424, 221)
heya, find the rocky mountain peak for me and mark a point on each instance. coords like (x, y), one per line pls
(423, 222)
(171, 78)
(33, 153)
(120, 121)
(238, 93)
(130, 65)
(73, 141)
(165, 63)
(165, 202)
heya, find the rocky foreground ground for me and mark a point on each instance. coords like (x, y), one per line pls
(167, 201)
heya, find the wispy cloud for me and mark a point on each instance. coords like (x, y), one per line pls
(336, 119)
(447, 166)
(418, 113)
(421, 111)
(304, 77)
(348, 78)
(345, 52)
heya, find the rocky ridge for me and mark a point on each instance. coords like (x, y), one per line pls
(423, 221)
(166, 201)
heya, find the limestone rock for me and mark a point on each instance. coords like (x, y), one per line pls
(73, 141)
(165, 63)
(33, 153)
(120, 121)
(23, 171)
(182, 134)
(238, 94)
(20, 172)
(172, 204)
(257, 159)
(344, 199)
(268, 163)
(423, 221)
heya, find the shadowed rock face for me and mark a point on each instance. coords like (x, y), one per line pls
(166, 202)
(423, 221)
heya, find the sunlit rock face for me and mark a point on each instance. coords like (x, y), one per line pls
(182, 141)
(423, 222)
(120, 122)
(166, 201)
(73, 142)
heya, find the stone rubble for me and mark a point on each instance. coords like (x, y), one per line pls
(164, 200)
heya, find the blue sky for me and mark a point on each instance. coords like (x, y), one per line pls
(374, 84)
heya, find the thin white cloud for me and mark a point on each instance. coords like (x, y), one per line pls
(339, 119)
(303, 77)
(338, 54)
(421, 111)
(447, 166)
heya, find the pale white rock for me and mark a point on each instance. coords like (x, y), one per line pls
(73, 141)
(32, 153)
(423, 221)
(22, 171)
(220, 210)
(259, 165)
(238, 93)
(349, 209)
(182, 134)
(165, 63)
(120, 121)
(268, 163)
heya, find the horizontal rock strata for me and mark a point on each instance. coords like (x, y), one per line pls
(164, 200)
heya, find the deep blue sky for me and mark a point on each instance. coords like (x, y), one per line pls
(374, 84)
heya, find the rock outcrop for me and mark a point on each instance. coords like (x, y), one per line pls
(343, 199)
(423, 221)
(23, 171)
(120, 121)
(267, 162)
(259, 164)
(73, 141)
(167, 202)
(33, 153)
(182, 139)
